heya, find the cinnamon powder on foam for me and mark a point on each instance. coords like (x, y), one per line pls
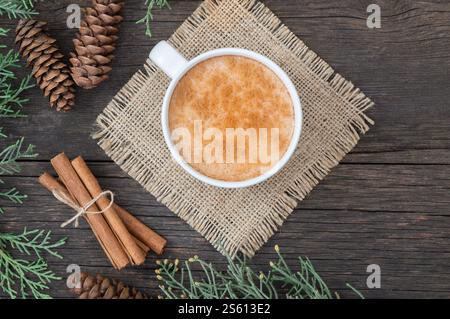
(233, 92)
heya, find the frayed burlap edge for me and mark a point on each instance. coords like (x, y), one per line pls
(298, 189)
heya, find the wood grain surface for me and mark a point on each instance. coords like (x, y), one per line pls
(387, 203)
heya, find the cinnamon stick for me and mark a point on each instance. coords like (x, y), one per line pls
(156, 242)
(145, 237)
(100, 227)
(50, 183)
(143, 246)
(135, 253)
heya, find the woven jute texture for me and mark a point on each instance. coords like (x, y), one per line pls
(239, 220)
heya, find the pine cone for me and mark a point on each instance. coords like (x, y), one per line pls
(99, 287)
(42, 54)
(95, 43)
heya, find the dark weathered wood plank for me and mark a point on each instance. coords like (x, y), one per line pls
(371, 209)
(402, 66)
(394, 216)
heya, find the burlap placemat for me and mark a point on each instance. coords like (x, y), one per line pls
(235, 220)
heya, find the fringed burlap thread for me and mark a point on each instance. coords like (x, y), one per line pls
(240, 220)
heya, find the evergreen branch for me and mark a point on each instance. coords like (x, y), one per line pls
(240, 281)
(304, 284)
(30, 276)
(3, 33)
(14, 196)
(36, 241)
(10, 155)
(8, 61)
(10, 98)
(148, 18)
(19, 277)
(28, 4)
(14, 9)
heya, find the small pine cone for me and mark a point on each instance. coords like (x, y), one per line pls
(96, 43)
(42, 54)
(99, 287)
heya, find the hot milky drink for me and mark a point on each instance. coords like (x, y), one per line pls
(231, 118)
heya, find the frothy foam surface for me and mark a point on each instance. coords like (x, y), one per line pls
(231, 92)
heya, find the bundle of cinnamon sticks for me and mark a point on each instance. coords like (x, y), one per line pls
(124, 238)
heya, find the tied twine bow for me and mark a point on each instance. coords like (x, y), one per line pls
(82, 210)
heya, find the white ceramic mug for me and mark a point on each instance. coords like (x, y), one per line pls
(171, 62)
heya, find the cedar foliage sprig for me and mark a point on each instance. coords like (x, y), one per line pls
(13, 195)
(10, 156)
(9, 164)
(20, 277)
(11, 103)
(148, 18)
(24, 278)
(11, 100)
(3, 32)
(240, 281)
(17, 9)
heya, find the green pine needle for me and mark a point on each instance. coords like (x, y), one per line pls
(11, 101)
(14, 196)
(9, 165)
(7, 62)
(148, 18)
(3, 33)
(2, 134)
(10, 156)
(17, 9)
(240, 281)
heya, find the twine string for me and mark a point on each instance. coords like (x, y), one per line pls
(82, 210)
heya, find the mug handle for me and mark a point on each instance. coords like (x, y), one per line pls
(168, 59)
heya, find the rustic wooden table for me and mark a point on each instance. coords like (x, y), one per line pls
(387, 203)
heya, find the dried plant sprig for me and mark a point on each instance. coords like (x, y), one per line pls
(24, 278)
(148, 18)
(303, 284)
(239, 281)
(15, 9)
